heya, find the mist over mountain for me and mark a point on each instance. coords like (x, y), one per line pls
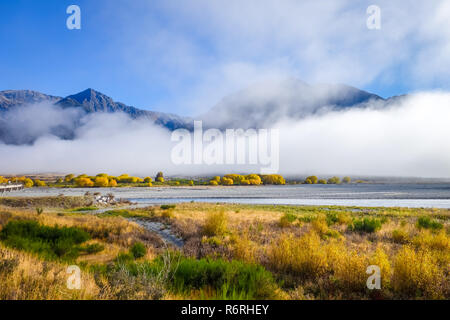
(91, 101)
(400, 136)
(27, 115)
(259, 106)
(262, 105)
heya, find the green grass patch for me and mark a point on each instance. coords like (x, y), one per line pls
(117, 213)
(49, 242)
(138, 250)
(84, 209)
(226, 279)
(167, 206)
(92, 248)
(287, 219)
(368, 225)
(428, 223)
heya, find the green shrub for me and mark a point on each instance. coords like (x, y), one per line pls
(428, 223)
(307, 218)
(138, 250)
(230, 279)
(92, 248)
(368, 225)
(167, 206)
(337, 218)
(210, 278)
(50, 242)
(332, 218)
(124, 258)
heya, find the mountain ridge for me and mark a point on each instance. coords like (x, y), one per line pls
(289, 98)
(258, 106)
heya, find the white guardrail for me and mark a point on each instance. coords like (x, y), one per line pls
(10, 187)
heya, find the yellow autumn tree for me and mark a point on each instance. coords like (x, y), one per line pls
(28, 183)
(69, 178)
(312, 180)
(84, 182)
(227, 181)
(39, 183)
(237, 178)
(112, 183)
(101, 182)
(273, 179)
(253, 179)
(334, 180)
(346, 180)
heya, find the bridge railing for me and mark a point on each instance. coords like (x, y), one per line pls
(11, 187)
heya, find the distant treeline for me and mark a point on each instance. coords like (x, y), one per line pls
(103, 180)
(245, 180)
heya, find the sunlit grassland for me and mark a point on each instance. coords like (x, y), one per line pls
(236, 251)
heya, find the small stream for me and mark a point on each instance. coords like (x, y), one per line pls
(161, 229)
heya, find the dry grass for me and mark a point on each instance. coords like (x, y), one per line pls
(313, 253)
(25, 277)
(416, 272)
(115, 233)
(53, 202)
(323, 260)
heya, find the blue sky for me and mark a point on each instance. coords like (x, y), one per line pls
(182, 57)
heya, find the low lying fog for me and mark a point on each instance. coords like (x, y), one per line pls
(408, 138)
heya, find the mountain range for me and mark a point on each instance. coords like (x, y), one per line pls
(258, 106)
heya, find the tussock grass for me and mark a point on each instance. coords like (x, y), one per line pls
(297, 252)
(216, 224)
(417, 273)
(26, 277)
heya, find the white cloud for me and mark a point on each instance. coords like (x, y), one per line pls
(203, 50)
(410, 138)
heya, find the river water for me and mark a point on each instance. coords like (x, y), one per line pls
(414, 195)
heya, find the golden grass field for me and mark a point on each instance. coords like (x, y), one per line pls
(307, 252)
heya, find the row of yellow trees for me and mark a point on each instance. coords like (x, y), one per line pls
(104, 180)
(332, 180)
(250, 179)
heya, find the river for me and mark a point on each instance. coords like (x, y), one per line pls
(414, 195)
